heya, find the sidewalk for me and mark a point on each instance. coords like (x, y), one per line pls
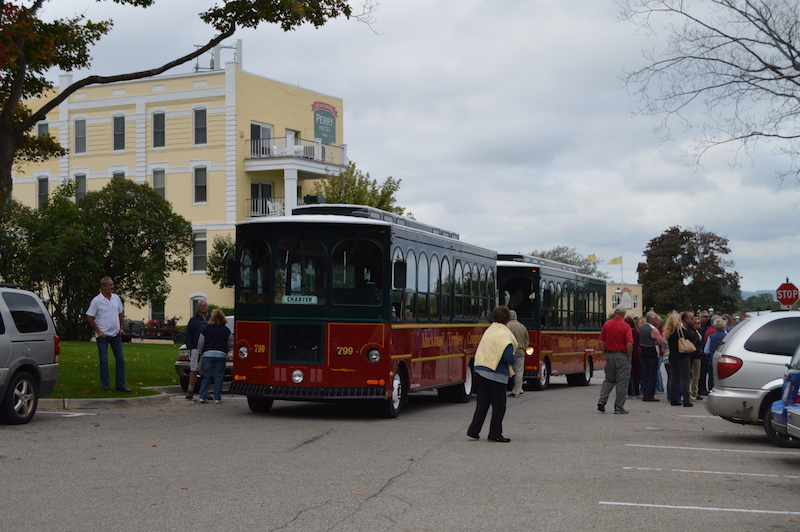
(111, 402)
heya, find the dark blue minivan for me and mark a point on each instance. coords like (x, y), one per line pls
(783, 425)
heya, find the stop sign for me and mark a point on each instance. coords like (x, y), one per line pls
(786, 294)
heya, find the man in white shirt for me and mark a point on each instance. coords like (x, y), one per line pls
(106, 316)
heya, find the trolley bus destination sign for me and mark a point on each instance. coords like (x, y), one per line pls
(299, 300)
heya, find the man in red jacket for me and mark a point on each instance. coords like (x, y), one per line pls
(616, 341)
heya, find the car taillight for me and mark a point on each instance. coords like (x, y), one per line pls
(727, 366)
(57, 346)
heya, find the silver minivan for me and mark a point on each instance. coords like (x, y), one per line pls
(749, 365)
(28, 354)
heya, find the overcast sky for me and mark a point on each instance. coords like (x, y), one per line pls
(506, 121)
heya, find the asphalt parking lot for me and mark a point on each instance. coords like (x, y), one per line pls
(177, 464)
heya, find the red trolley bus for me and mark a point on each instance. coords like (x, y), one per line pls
(343, 302)
(563, 311)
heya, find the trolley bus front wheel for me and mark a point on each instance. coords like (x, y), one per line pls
(544, 376)
(259, 404)
(391, 406)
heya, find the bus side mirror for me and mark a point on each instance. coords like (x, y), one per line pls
(230, 272)
(400, 275)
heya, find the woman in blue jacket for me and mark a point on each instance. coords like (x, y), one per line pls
(214, 343)
(494, 362)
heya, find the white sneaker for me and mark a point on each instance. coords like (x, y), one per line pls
(202, 401)
(217, 401)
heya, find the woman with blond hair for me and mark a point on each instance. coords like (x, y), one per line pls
(679, 325)
(214, 343)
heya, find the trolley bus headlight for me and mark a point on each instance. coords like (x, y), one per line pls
(529, 351)
(373, 355)
(243, 352)
(297, 376)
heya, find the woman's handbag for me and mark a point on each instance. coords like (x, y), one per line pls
(684, 344)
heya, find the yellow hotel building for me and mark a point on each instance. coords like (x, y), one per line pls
(221, 145)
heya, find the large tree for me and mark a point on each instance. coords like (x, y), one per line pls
(570, 255)
(355, 187)
(30, 46)
(687, 270)
(727, 69)
(62, 250)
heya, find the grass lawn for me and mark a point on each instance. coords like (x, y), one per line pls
(145, 365)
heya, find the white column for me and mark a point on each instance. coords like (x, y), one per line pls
(290, 190)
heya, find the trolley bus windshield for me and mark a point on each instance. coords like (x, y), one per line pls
(295, 265)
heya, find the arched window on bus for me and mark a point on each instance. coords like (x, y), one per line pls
(254, 259)
(357, 273)
(580, 308)
(492, 301)
(458, 288)
(476, 302)
(409, 305)
(485, 312)
(422, 288)
(434, 287)
(446, 289)
(465, 309)
(544, 305)
(398, 283)
(571, 310)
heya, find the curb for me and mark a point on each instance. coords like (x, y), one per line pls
(112, 402)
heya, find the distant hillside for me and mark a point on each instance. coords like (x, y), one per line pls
(745, 295)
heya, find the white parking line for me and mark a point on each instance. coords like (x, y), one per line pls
(696, 430)
(795, 453)
(65, 414)
(698, 472)
(707, 509)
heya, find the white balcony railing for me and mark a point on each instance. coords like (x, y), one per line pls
(291, 146)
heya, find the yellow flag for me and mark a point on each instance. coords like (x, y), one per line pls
(618, 260)
(591, 257)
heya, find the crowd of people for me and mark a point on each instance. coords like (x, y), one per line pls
(683, 345)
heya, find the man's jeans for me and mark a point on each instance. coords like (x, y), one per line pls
(650, 376)
(102, 350)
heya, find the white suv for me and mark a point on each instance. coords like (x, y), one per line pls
(28, 354)
(749, 365)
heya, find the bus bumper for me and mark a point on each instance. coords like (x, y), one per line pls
(307, 393)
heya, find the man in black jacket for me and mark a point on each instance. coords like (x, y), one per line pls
(193, 330)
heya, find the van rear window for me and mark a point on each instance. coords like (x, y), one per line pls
(26, 312)
(778, 337)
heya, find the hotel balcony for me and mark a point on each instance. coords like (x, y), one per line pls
(297, 148)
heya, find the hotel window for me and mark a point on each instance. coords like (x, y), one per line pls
(159, 182)
(80, 186)
(200, 127)
(200, 185)
(635, 302)
(199, 252)
(80, 136)
(118, 175)
(159, 130)
(119, 133)
(41, 192)
(42, 129)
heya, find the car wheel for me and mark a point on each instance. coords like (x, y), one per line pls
(21, 399)
(782, 440)
(259, 404)
(184, 383)
(179, 338)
